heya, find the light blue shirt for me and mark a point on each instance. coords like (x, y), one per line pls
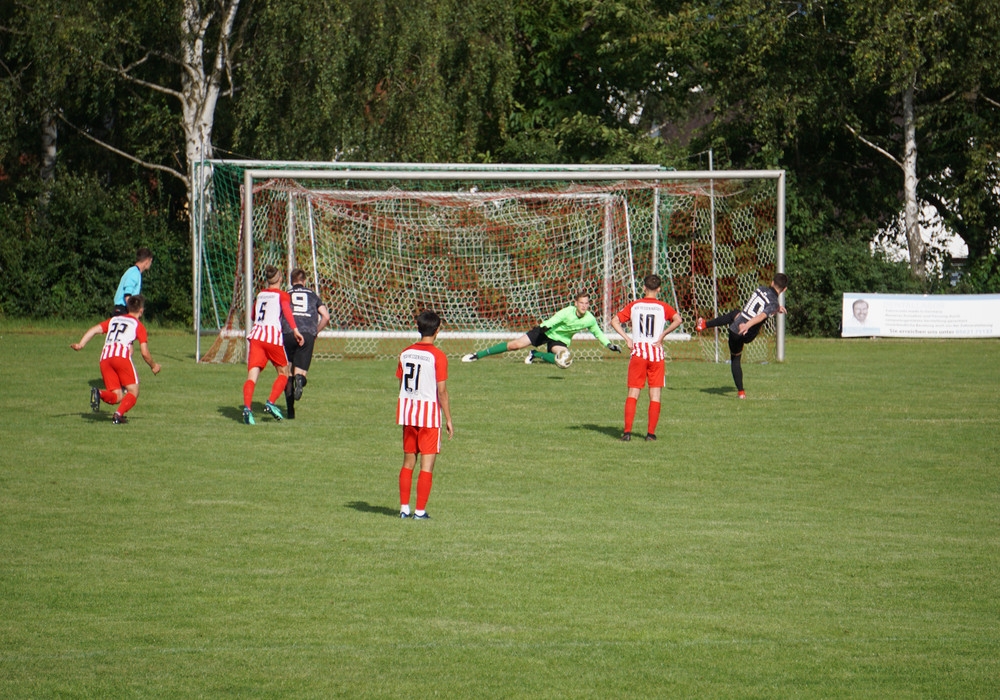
(131, 284)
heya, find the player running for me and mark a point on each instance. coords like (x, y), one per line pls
(744, 324)
(265, 338)
(556, 333)
(312, 316)
(648, 317)
(121, 384)
(423, 396)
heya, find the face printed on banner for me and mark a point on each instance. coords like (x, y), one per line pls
(860, 310)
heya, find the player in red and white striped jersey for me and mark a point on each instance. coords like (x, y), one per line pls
(120, 380)
(648, 317)
(266, 343)
(423, 396)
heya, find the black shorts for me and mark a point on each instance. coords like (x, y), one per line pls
(299, 356)
(737, 341)
(120, 310)
(537, 336)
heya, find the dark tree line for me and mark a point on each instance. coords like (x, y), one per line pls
(879, 110)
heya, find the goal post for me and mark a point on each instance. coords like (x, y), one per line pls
(493, 249)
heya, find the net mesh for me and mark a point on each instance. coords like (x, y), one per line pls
(493, 258)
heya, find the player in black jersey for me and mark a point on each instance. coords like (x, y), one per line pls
(744, 324)
(311, 316)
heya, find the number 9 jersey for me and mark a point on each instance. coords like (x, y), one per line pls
(421, 367)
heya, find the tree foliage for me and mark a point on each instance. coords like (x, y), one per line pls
(376, 80)
(793, 80)
(813, 87)
(598, 80)
(67, 257)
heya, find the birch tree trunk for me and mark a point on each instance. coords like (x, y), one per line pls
(50, 138)
(911, 213)
(201, 85)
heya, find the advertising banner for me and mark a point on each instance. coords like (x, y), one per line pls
(921, 315)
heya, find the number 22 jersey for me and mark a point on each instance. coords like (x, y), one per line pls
(121, 332)
(421, 367)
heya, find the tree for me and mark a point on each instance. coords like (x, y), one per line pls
(961, 125)
(376, 80)
(790, 80)
(597, 81)
(41, 76)
(182, 50)
(895, 49)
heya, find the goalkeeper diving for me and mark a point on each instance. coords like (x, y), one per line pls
(556, 333)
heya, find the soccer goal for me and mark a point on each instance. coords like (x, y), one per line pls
(494, 250)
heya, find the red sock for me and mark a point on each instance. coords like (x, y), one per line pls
(128, 401)
(248, 387)
(424, 489)
(405, 486)
(109, 397)
(278, 388)
(629, 413)
(654, 416)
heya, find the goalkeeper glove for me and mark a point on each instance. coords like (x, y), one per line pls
(614, 348)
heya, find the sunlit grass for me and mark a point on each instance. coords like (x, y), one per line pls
(837, 534)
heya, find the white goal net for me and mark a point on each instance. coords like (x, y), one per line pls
(493, 251)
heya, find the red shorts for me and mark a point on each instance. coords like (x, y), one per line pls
(260, 353)
(641, 370)
(118, 372)
(425, 441)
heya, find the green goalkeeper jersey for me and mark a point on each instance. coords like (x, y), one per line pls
(564, 324)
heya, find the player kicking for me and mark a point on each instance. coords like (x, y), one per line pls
(117, 369)
(423, 396)
(556, 333)
(744, 324)
(312, 316)
(648, 317)
(271, 304)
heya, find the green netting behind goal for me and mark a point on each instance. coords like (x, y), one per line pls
(493, 255)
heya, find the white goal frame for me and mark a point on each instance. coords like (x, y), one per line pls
(457, 172)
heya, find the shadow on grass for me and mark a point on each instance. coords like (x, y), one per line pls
(365, 507)
(719, 390)
(103, 417)
(614, 431)
(231, 412)
(183, 358)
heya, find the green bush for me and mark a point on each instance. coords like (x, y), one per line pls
(982, 277)
(820, 273)
(64, 249)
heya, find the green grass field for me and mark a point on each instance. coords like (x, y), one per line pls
(835, 535)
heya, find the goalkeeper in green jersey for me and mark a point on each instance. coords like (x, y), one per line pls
(556, 334)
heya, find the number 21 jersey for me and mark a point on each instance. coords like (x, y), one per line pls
(421, 367)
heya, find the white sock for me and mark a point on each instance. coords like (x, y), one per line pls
(419, 512)
(405, 509)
